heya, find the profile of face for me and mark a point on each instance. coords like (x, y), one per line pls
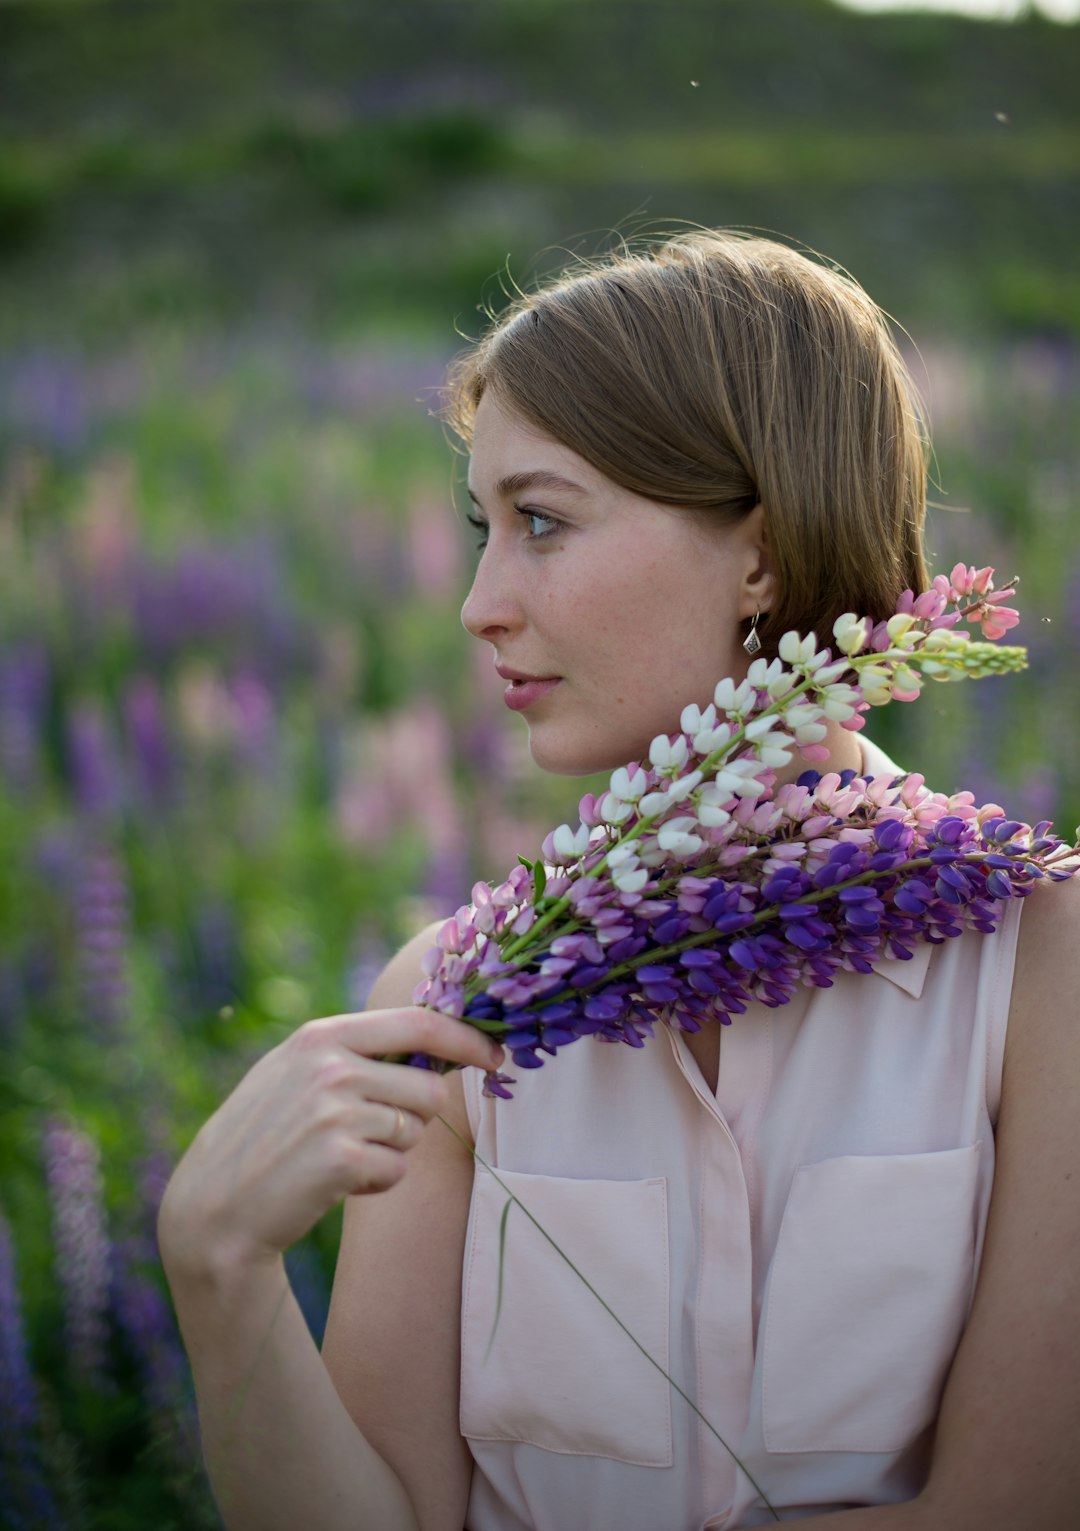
(633, 607)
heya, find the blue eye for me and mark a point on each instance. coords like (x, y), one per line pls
(538, 515)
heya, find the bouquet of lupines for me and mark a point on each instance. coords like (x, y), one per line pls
(694, 886)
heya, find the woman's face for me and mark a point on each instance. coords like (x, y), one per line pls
(631, 606)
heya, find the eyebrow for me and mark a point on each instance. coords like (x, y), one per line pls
(538, 478)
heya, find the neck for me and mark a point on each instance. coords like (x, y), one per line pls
(844, 755)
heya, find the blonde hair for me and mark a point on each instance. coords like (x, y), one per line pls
(716, 370)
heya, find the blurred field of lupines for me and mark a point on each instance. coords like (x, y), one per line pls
(245, 747)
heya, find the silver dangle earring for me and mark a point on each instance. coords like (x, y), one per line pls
(752, 643)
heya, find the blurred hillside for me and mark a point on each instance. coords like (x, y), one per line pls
(371, 166)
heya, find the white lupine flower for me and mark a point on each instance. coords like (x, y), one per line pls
(794, 650)
(831, 673)
(763, 673)
(758, 727)
(781, 684)
(905, 679)
(811, 733)
(622, 855)
(678, 843)
(775, 757)
(945, 638)
(613, 810)
(652, 804)
(628, 881)
(712, 818)
(850, 632)
(666, 753)
(570, 844)
(837, 709)
(725, 784)
(711, 739)
(682, 786)
(693, 720)
(731, 698)
(685, 823)
(713, 795)
(628, 787)
(800, 713)
(652, 854)
(875, 685)
(899, 625)
(746, 765)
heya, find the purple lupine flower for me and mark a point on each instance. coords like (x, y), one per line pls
(102, 932)
(49, 399)
(148, 1328)
(215, 975)
(25, 1500)
(149, 1334)
(24, 687)
(93, 760)
(81, 1245)
(148, 737)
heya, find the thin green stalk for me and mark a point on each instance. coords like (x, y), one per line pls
(740, 1464)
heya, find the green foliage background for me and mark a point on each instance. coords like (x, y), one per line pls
(244, 750)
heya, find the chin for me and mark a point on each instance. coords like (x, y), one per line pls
(573, 758)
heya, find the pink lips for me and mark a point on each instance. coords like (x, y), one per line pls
(521, 694)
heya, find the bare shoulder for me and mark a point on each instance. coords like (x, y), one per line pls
(1045, 1010)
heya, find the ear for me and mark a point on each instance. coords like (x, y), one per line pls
(759, 578)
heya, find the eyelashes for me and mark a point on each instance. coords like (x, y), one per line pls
(552, 526)
(482, 528)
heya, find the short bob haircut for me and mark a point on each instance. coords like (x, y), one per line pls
(717, 370)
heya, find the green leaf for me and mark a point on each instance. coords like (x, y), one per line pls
(526, 864)
(539, 881)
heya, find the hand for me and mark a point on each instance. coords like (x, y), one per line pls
(318, 1118)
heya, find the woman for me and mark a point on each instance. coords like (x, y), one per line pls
(674, 456)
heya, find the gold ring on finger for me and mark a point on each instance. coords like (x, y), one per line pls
(399, 1127)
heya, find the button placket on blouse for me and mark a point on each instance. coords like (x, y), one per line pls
(724, 1306)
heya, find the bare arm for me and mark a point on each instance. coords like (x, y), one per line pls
(313, 1122)
(1005, 1453)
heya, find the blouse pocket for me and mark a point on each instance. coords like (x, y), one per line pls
(558, 1372)
(867, 1299)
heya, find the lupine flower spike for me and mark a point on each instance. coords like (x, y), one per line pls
(694, 886)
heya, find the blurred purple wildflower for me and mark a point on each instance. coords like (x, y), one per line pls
(81, 1245)
(24, 692)
(25, 1501)
(102, 933)
(93, 760)
(148, 738)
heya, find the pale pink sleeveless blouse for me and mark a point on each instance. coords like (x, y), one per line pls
(798, 1251)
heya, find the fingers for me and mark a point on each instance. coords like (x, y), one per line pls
(378, 1169)
(413, 1029)
(403, 1131)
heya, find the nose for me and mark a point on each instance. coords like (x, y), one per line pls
(492, 609)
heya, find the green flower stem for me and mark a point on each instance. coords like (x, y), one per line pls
(605, 1305)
